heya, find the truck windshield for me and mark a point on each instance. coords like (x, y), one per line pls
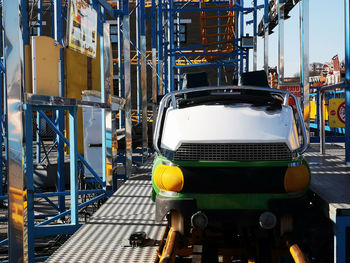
(250, 97)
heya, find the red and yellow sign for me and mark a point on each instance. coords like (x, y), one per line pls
(295, 89)
(337, 113)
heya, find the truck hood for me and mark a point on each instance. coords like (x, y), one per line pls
(229, 124)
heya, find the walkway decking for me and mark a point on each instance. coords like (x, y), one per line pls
(105, 237)
(330, 179)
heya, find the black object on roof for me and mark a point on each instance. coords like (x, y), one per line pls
(254, 78)
(195, 79)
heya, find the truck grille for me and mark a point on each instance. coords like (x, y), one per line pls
(233, 152)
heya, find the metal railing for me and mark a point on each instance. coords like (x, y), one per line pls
(322, 124)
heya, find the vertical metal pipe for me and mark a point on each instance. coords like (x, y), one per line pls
(236, 3)
(347, 81)
(160, 45)
(255, 25)
(218, 71)
(58, 34)
(322, 122)
(127, 85)
(341, 237)
(58, 23)
(138, 60)
(178, 45)
(304, 62)
(318, 113)
(120, 64)
(247, 61)
(165, 62)
(30, 181)
(52, 18)
(1, 128)
(171, 47)
(38, 139)
(218, 76)
(241, 57)
(143, 77)
(154, 63)
(40, 20)
(104, 94)
(73, 155)
(2, 113)
(266, 36)
(281, 5)
(38, 118)
(24, 23)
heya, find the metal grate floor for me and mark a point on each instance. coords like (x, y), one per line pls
(105, 237)
(330, 178)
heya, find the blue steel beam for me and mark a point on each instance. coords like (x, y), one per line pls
(1, 126)
(30, 181)
(175, 10)
(234, 53)
(2, 67)
(204, 65)
(40, 13)
(58, 35)
(341, 239)
(241, 36)
(52, 16)
(53, 230)
(25, 24)
(255, 33)
(138, 60)
(154, 61)
(1, 142)
(38, 119)
(266, 36)
(347, 81)
(178, 44)
(143, 72)
(171, 40)
(115, 13)
(67, 212)
(218, 74)
(73, 155)
(160, 46)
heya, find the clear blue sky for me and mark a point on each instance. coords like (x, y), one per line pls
(326, 35)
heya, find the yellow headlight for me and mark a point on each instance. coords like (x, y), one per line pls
(168, 178)
(296, 178)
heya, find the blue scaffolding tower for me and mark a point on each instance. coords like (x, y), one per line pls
(21, 107)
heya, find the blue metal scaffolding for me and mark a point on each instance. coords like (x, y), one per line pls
(21, 155)
(170, 50)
